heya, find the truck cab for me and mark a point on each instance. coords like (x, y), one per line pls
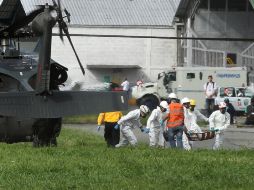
(147, 94)
(188, 82)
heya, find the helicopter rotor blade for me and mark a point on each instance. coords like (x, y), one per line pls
(65, 29)
(67, 15)
(60, 10)
(60, 19)
(57, 7)
(61, 32)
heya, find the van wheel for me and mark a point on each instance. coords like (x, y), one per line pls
(150, 100)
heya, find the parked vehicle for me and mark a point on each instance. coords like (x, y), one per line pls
(188, 82)
(239, 97)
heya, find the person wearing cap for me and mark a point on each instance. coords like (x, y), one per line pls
(190, 122)
(175, 122)
(210, 89)
(219, 121)
(186, 102)
(111, 135)
(196, 112)
(250, 113)
(230, 109)
(128, 122)
(154, 127)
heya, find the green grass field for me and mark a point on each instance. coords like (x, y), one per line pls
(80, 119)
(82, 161)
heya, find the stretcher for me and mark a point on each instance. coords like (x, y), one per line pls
(205, 135)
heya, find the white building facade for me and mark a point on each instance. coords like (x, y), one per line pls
(114, 58)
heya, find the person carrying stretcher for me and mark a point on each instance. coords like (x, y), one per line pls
(190, 121)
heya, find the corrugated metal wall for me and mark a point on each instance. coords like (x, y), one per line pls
(116, 12)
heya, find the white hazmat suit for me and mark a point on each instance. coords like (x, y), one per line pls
(190, 122)
(156, 130)
(127, 124)
(220, 122)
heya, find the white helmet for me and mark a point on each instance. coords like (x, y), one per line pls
(144, 109)
(164, 104)
(185, 100)
(222, 105)
(172, 96)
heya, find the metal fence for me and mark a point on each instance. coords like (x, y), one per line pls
(247, 57)
(201, 56)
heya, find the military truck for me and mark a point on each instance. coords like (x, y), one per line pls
(188, 82)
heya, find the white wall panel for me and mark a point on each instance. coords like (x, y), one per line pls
(148, 54)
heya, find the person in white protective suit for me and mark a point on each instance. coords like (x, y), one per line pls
(186, 105)
(219, 121)
(154, 127)
(190, 122)
(128, 122)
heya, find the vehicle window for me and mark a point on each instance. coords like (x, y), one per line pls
(227, 92)
(170, 76)
(200, 75)
(249, 93)
(240, 92)
(190, 75)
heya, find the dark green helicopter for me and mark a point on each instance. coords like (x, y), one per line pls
(31, 105)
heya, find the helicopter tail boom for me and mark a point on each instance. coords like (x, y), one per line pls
(60, 103)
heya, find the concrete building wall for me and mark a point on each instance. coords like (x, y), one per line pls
(122, 56)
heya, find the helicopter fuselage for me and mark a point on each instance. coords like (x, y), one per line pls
(31, 105)
(18, 74)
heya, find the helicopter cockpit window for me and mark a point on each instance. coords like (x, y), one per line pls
(170, 76)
